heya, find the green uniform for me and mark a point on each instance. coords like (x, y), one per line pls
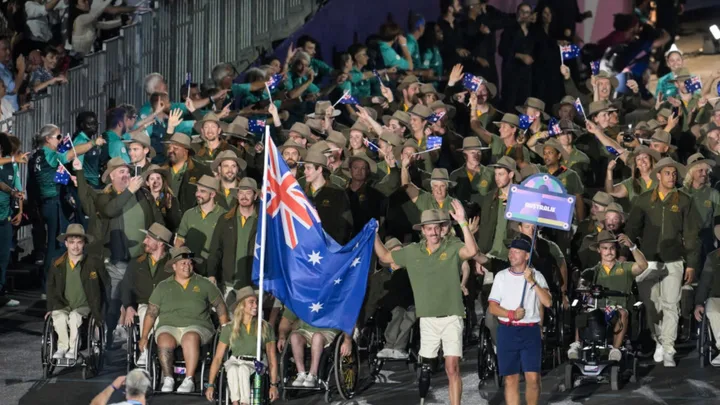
(181, 182)
(246, 97)
(142, 277)
(426, 201)
(414, 49)
(472, 186)
(134, 222)
(499, 249)
(435, 277)
(90, 160)
(320, 68)
(629, 185)
(183, 306)
(74, 292)
(293, 81)
(576, 157)
(618, 278)
(432, 59)
(707, 201)
(333, 207)
(208, 155)
(90, 273)
(245, 344)
(569, 179)
(290, 316)
(391, 58)
(709, 285)
(116, 146)
(44, 164)
(197, 228)
(10, 176)
(498, 149)
(361, 87)
(176, 178)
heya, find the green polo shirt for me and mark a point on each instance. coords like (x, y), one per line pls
(176, 178)
(632, 194)
(293, 81)
(480, 183)
(569, 179)
(432, 59)
(90, 160)
(245, 343)
(116, 146)
(183, 306)
(499, 249)
(74, 291)
(435, 277)
(414, 50)
(498, 149)
(320, 68)
(290, 316)
(361, 87)
(426, 201)
(242, 249)
(391, 58)
(197, 227)
(44, 167)
(619, 278)
(576, 157)
(8, 175)
(707, 202)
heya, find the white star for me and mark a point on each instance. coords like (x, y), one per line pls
(316, 307)
(355, 262)
(256, 248)
(314, 258)
(357, 245)
(338, 281)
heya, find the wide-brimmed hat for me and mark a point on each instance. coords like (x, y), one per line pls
(302, 151)
(337, 138)
(112, 164)
(662, 137)
(603, 199)
(75, 230)
(535, 103)
(429, 217)
(321, 147)
(643, 150)
(357, 126)
(392, 243)
(698, 159)
(316, 158)
(421, 111)
(428, 88)
(567, 100)
(159, 232)
(509, 118)
(653, 125)
(491, 88)
(603, 75)
(209, 182)
(243, 293)
(365, 158)
(320, 108)
(182, 140)
(439, 174)
(302, 129)
(153, 168)
(668, 162)
(472, 143)
(665, 112)
(528, 171)
(209, 117)
(603, 237)
(407, 81)
(451, 110)
(612, 207)
(144, 140)
(567, 126)
(599, 106)
(228, 155)
(506, 162)
(246, 183)
(552, 143)
(682, 74)
(410, 143)
(177, 254)
(238, 128)
(401, 116)
(391, 137)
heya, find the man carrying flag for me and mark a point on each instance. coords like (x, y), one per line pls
(434, 269)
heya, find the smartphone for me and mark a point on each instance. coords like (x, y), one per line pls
(136, 171)
(676, 111)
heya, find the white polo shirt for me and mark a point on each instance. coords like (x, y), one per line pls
(507, 291)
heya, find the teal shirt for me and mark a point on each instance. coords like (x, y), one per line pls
(414, 49)
(363, 87)
(320, 68)
(185, 127)
(90, 160)
(666, 87)
(44, 165)
(116, 147)
(8, 175)
(391, 58)
(433, 60)
(293, 81)
(146, 110)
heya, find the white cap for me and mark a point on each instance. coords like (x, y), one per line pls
(673, 48)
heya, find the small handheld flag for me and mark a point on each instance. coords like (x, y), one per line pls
(693, 84)
(65, 144)
(612, 151)
(526, 121)
(347, 98)
(61, 175)
(273, 82)
(188, 80)
(595, 67)
(434, 142)
(579, 108)
(569, 52)
(433, 118)
(471, 82)
(256, 126)
(377, 75)
(554, 127)
(370, 145)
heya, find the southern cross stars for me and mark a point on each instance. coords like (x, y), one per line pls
(314, 258)
(316, 307)
(355, 262)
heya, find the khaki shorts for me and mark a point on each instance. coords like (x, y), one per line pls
(447, 331)
(205, 334)
(328, 334)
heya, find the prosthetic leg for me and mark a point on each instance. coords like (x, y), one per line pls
(424, 380)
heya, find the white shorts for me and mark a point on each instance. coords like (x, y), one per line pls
(447, 331)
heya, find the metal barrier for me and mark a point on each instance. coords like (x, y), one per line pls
(182, 36)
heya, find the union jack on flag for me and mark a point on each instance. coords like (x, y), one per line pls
(65, 144)
(526, 121)
(347, 98)
(554, 127)
(370, 145)
(471, 82)
(256, 126)
(579, 107)
(436, 117)
(274, 81)
(693, 84)
(571, 51)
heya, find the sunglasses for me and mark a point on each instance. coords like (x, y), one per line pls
(59, 137)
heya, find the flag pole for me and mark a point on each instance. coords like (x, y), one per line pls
(340, 99)
(263, 232)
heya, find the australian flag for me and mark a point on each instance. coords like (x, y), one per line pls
(471, 82)
(595, 67)
(347, 98)
(693, 84)
(61, 175)
(274, 81)
(65, 144)
(579, 107)
(554, 127)
(434, 142)
(433, 118)
(256, 126)
(718, 89)
(319, 280)
(571, 51)
(612, 151)
(377, 75)
(526, 121)
(370, 145)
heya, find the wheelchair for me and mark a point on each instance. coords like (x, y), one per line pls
(706, 347)
(487, 358)
(555, 334)
(596, 341)
(89, 346)
(336, 373)
(179, 367)
(373, 337)
(223, 391)
(133, 346)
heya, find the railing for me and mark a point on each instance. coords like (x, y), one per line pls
(190, 35)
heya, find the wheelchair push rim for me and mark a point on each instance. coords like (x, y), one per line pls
(346, 370)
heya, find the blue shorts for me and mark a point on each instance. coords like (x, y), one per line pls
(519, 349)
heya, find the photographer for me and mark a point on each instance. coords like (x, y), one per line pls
(137, 384)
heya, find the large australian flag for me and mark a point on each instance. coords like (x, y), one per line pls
(322, 282)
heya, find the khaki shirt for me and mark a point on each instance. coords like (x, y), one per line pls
(196, 228)
(245, 343)
(189, 305)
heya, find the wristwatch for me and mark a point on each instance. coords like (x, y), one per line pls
(208, 385)
(275, 384)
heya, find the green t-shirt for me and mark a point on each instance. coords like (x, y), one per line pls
(391, 58)
(294, 81)
(90, 160)
(414, 50)
(432, 59)
(8, 175)
(363, 87)
(426, 201)
(290, 316)
(435, 277)
(190, 305)
(197, 229)
(44, 165)
(116, 146)
(245, 344)
(74, 291)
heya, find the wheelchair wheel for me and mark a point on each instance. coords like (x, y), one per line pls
(569, 378)
(133, 352)
(95, 349)
(375, 344)
(48, 347)
(153, 364)
(347, 370)
(288, 371)
(615, 378)
(704, 342)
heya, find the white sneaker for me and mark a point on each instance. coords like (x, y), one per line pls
(59, 354)
(574, 351)
(70, 355)
(659, 353)
(12, 303)
(615, 355)
(716, 361)
(310, 381)
(142, 359)
(668, 360)
(120, 335)
(385, 353)
(168, 384)
(299, 380)
(187, 386)
(400, 354)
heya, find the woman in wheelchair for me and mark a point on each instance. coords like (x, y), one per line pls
(304, 335)
(183, 304)
(74, 290)
(611, 274)
(241, 337)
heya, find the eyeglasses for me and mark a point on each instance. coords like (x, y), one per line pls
(59, 137)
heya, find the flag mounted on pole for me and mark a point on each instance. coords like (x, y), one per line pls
(693, 84)
(316, 278)
(257, 126)
(595, 67)
(569, 52)
(347, 98)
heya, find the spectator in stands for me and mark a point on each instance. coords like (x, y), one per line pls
(516, 47)
(430, 56)
(390, 33)
(675, 61)
(310, 46)
(13, 81)
(194, 93)
(6, 109)
(83, 22)
(38, 21)
(43, 77)
(300, 78)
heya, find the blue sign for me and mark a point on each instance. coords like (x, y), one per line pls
(541, 200)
